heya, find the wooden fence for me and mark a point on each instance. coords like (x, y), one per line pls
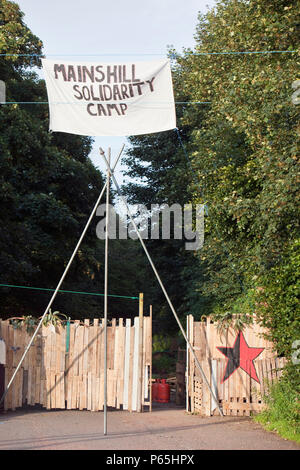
(239, 375)
(64, 368)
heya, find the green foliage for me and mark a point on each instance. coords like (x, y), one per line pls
(54, 318)
(163, 365)
(28, 320)
(160, 343)
(242, 150)
(164, 356)
(16, 38)
(278, 300)
(283, 407)
(48, 187)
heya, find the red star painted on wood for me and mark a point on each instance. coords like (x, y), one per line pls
(240, 355)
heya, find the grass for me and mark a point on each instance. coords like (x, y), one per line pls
(282, 414)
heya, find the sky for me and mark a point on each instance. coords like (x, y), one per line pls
(114, 30)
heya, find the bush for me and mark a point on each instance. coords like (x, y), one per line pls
(283, 406)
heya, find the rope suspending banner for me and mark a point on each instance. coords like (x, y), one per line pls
(70, 291)
(172, 55)
(65, 102)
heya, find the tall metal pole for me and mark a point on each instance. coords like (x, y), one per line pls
(198, 365)
(58, 285)
(106, 289)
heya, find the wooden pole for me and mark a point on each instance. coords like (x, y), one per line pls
(140, 360)
(150, 378)
(187, 367)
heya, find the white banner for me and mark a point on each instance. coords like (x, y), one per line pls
(101, 99)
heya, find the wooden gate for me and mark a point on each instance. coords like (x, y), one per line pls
(64, 368)
(238, 365)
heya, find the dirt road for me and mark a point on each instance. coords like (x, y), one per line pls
(168, 428)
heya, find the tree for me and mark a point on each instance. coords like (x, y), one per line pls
(245, 149)
(242, 149)
(48, 186)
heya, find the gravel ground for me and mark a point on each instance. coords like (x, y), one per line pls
(166, 428)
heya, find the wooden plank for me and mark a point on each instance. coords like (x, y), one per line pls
(226, 384)
(80, 353)
(47, 366)
(63, 395)
(52, 389)
(80, 350)
(91, 351)
(73, 367)
(200, 340)
(52, 366)
(116, 359)
(135, 377)
(102, 354)
(89, 395)
(85, 347)
(101, 394)
(69, 369)
(84, 392)
(150, 355)
(57, 354)
(232, 391)
(111, 387)
(240, 384)
(80, 393)
(120, 369)
(187, 378)
(214, 382)
(78, 363)
(7, 377)
(60, 366)
(206, 396)
(19, 402)
(57, 390)
(208, 338)
(99, 349)
(39, 344)
(29, 384)
(43, 399)
(94, 365)
(246, 407)
(25, 343)
(140, 366)
(147, 384)
(37, 385)
(74, 392)
(10, 354)
(122, 361)
(248, 389)
(97, 395)
(126, 363)
(14, 388)
(260, 377)
(268, 372)
(131, 361)
(11, 362)
(192, 365)
(145, 378)
(111, 332)
(34, 359)
(76, 348)
(4, 335)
